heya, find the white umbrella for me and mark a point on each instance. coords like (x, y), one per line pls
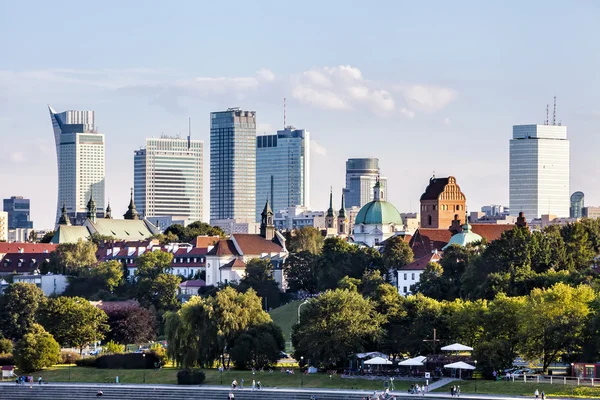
(413, 362)
(378, 361)
(457, 347)
(460, 365)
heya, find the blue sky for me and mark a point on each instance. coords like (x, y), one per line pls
(424, 86)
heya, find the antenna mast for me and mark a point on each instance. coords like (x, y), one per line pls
(284, 113)
(547, 114)
(554, 116)
(190, 133)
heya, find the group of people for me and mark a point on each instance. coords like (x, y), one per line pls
(255, 384)
(537, 394)
(416, 389)
(455, 391)
(21, 380)
(385, 395)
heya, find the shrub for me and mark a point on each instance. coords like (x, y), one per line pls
(69, 357)
(86, 362)
(7, 359)
(190, 377)
(113, 348)
(6, 346)
(36, 350)
(160, 352)
(127, 361)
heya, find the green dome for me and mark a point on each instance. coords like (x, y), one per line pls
(378, 213)
(464, 238)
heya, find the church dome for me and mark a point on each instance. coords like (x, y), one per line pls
(463, 238)
(378, 213)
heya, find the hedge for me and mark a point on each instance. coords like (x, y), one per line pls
(190, 377)
(69, 357)
(86, 362)
(121, 361)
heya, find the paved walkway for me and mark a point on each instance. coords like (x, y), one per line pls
(439, 383)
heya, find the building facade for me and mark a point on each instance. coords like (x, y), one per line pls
(440, 202)
(495, 210)
(233, 165)
(80, 155)
(282, 169)
(591, 212)
(539, 171)
(3, 226)
(292, 218)
(19, 212)
(577, 205)
(168, 178)
(361, 176)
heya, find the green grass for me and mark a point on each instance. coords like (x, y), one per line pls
(285, 317)
(60, 373)
(523, 389)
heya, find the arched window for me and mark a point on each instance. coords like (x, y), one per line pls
(429, 220)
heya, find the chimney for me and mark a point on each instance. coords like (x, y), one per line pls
(456, 225)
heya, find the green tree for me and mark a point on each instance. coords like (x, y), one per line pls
(159, 292)
(259, 276)
(6, 346)
(189, 233)
(166, 238)
(397, 253)
(422, 316)
(153, 263)
(36, 350)
(258, 347)
(108, 274)
(18, 307)
(72, 258)
(554, 321)
(73, 321)
(579, 251)
(33, 236)
(47, 237)
(431, 283)
(100, 240)
(113, 348)
(300, 272)
(307, 239)
(334, 325)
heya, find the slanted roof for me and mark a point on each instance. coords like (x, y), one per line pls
(205, 241)
(435, 188)
(70, 234)
(17, 247)
(123, 229)
(251, 244)
(420, 263)
(29, 262)
(426, 240)
(491, 232)
(192, 284)
(234, 264)
(224, 247)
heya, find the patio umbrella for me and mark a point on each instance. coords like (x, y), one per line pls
(460, 365)
(457, 347)
(378, 361)
(413, 362)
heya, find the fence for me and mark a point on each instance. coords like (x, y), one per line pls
(556, 380)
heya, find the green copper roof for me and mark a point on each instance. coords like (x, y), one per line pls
(70, 234)
(377, 213)
(463, 238)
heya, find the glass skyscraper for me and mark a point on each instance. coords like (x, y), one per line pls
(81, 164)
(168, 178)
(361, 176)
(539, 171)
(282, 169)
(232, 164)
(18, 210)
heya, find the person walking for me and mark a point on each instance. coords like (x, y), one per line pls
(537, 394)
(258, 385)
(458, 391)
(253, 384)
(242, 385)
(40, 380)
(543, 395)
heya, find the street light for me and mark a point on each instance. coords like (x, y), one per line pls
(475, 376)
(572, 375)
(69, 361)
(222, 368)
(301, 372)
(301, 304)
(144, 365)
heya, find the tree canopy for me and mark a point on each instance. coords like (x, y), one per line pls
(18, 308)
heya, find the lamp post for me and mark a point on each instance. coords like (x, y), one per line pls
(144, 366)
(222, 367)
(572, 375)
(69, 361)
(475, 376)
(301, 372)
(301, 304)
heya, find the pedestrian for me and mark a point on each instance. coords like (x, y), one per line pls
(234, 384)
(231, 395)
(242, 385)
(99, 393)
(536, 393)
(543, 395)
(458, 391)
(40, 380)
(258, 385)
(253, 384)
(453, 390)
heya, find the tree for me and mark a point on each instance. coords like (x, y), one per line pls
(47, 238)
(36, 350)
(130, 323)
(73, 321)
(306, 239)
(397, 253)
(258, 347)
(431, 283)
(166, 238)
(100, 240)
(6, 346)
(153, 263)
(160, 292)
(189, 233)
(579, 251)
(33, 236)
(112, 347)
(334, 325)
(72, 258)
(300, 272)
(421, 316)
(554, 320)
(18, 307)
(259, 276)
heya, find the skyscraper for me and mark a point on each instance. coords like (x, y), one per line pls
(233, 164)
(168, 178)
(80, 157)
(18, 210)
(577, 205)
(539, 171)
(282, 169)
(361, 176)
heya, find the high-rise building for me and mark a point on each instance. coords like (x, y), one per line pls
(80, 157)
(168, 178)
(18, 210)
(539, 171)
(3, 226)
(233, 165)
(577, 205)
(361, 176)
(282, 169)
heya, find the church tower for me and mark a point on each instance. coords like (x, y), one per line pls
(91, 208)
(108, 213)
(330, 222)
(131, 211)
(267, 229)
(441, 200)
(342, 220)
(64, 218)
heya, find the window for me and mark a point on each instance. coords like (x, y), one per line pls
(412, 276)
(404, 289)
(429, 220)
(405, 274)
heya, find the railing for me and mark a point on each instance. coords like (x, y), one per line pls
(555, 380)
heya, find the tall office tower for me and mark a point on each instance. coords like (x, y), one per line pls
(233, 164)
(168, 178)
(19, 212)
(282, 169)
(577, 205)
(80, 158)
(361, 176)
(539, 171)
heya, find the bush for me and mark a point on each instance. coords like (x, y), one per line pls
(86, 362)
(36, 350)
(113, 348)
(69, 357)
(160, 352)
(127, 361)
(190, 377)
(6, 346)
(7, 359)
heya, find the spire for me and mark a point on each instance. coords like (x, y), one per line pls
(108, 213)
(131, 211)
(466, 227)
(342, 212)
(267, 210)
(330, 209)
(267, 230)
(64, 218)
(377, 192)
(91, 207)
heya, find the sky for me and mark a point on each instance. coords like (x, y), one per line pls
(423, 86)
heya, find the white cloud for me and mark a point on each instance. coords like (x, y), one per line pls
(317, 97)
(266, 74)
(316, 148)
(427, 98)
(17, 157)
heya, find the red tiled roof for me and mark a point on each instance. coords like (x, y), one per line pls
(223, 247)
(426, 240)
(421, 263)
(251, 244)
(194, 283)
(235, 264)
(26, 247)
(29, 262)
(205, 241)
(491, 232)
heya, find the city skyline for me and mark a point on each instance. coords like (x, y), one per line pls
(422, 96)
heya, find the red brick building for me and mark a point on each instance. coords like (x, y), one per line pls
(441, 201)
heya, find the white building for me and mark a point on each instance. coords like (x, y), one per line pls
(238, 225)
(80, 158)
(539, 171)
(3, 226)
(168, 178)
(50, 284)
(410, 274)
(282, 169)
(292, 218)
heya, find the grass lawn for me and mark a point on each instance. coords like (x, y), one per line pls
(523, 389)
(60, 373)
(285, 317)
